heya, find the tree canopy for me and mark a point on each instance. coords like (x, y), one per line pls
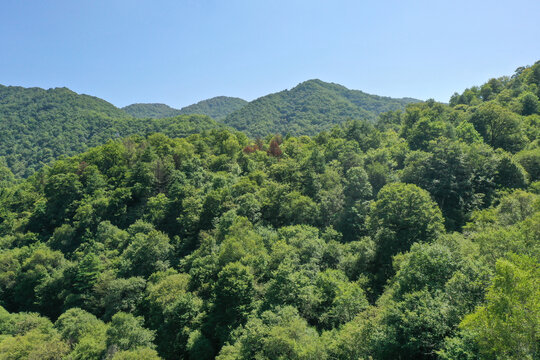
(414, 237)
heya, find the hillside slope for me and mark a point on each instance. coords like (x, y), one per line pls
(416, 237)
(394, 240)
(309, 108)
(38, 126)
(150, 110)
(217, 108)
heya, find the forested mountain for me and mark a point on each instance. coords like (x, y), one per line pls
(217, 108)
(309, 108)
(414, 237)
(152, 110)
(38, 126)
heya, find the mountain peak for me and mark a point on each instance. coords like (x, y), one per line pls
(216, 107)
(310, 107)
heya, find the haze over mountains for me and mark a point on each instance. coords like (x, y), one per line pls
(38, 125)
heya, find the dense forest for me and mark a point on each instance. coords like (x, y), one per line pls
(415, 236)
(38, 126)
(309, 108)
(150, 110)
(217, 108)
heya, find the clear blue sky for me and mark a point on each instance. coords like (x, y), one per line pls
(180, 52)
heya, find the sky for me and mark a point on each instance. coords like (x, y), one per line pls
(180, 52)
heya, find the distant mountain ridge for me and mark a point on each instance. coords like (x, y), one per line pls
(310, 107)
(150, 110)
(217, 108)
(36, 99)
(38, 126)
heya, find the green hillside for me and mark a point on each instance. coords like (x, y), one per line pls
(414, 237)
(155, 111)
(38, 126)
(309, 108)
(217, 108)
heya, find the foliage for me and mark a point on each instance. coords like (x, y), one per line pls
(154, 111)
(38, 126)
(309, 108)
(216, 108)
(417, 237)
(507, 326)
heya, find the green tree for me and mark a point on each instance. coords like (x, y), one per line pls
(402, 215)
(233, 292)
(446, 174)
(114, 295)
(281, 334)
(126, 332)
(358, 192)
(29, 336)
(147, 253)
(498, 126)
(507, 325)
(530, 160)
(529, 103)
(37, 269)
(76, 324)
(340, 300)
